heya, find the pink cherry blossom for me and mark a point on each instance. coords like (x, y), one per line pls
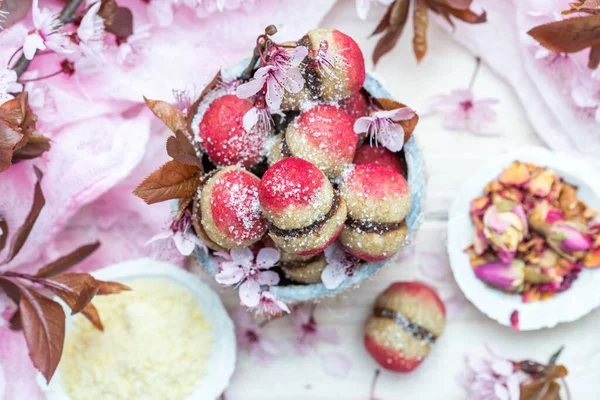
(258, 119)
(462, 112)
(336, 364)
(251, 339)
(185, 240)
(8, 84)
(363, 6)
(270, 305)
(90, 47)
(492, 378)
(161, 12)
(238, 268)
(130, 49)
(308, 333)
(280, 76)
(329, 60)
(46, 33)
(7, 309)
(383, 127)
(3, 17)
(587, 96)
(340, 265)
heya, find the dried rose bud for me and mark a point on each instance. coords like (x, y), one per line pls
(569, 237)
(505, 226)
(543, 216)
(505, 276)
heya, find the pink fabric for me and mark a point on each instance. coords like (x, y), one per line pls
(104, 142)
(544, 86)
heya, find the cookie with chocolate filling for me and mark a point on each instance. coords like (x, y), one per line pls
(407, 319)
(303, 269)
(229, 208)
(378, 201)
(323, 135)
(304, 214)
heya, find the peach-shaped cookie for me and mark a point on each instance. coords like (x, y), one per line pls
(368, 154)
(407, 319)
(230, 211)
(356, 105)
(303, 213)
(378, 200)
(323, 135)
(303, 269)
(222, 133)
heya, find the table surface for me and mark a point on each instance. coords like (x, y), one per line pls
(450, 157)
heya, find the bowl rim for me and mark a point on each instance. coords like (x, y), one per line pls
(221, 363)
(571, 305)
(417, 184)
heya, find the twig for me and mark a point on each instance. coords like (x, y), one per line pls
(66, 16)
(248, 72)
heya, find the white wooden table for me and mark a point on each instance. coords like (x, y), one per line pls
(450, 158)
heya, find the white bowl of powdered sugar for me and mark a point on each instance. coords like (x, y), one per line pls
(169, 338)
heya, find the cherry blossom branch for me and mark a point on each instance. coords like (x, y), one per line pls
(66, 16)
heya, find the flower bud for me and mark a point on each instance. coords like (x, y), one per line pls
(505, 226)
(569, 237)
(505, 276)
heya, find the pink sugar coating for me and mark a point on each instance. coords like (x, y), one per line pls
(368, 154)
(223, 136)
(330, 128)
(354, 57)
(234, 206)
(378, 181)
(290, 182)
(356, 105)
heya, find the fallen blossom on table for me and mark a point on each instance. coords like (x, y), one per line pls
(461, 111)
(308, 333)
(252, 340)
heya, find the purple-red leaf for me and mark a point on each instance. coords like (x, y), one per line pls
(122, 23)
(43, 322)
(108, 11)
(64, 263)
(91, 313)
(420, 25)
(384, 23)
(569, 35)
(23, 232)
(3, 233)
(398, 17)
(594, 60)
(169, 114)
(173, 180)
(180, 149)
(35, 147)
(105, 288)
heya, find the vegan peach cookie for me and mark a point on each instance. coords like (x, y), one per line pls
(533, 236)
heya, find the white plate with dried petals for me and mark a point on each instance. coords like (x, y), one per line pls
(220, 360)
(570, 305)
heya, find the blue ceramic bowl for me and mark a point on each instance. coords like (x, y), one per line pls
(416, 182)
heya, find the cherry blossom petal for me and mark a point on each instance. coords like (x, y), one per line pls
(297, 55)
(87, 27)
(267, 257)
(33, 43)
(393, 139)
(292, 81)
(454, 306)
(362, 8)
(160, 236)
(253, 86)
(501, 392)
(362, 124)
(333, 275)
(329, 334)
(514, 387)
(249, 292)
(434, 266)
(230, 274)
(250, 119)
(269, 278)
(243, 256)
(183, 244)
(274, 94)
(336, 364)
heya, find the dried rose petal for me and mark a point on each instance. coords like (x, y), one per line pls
(541, 184)
(492, 187)
(592, 259)
(505, 227)
(514, 320)
(517, 174)
(512, 193)
(479, 205)
(536, 275)
(531, 295)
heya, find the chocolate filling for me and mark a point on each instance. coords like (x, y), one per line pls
(415, 330)
(285, 149)
(299, 264)
(372, 226)
(315, 226)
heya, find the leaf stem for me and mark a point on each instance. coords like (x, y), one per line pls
(475, 72)
(66, 16)
(374, 383)
(42, 77)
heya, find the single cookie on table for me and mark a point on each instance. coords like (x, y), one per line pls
(222, 135)
(337, 74)
(303, 269)
(323, 135)
(303, 212)
(230, 210)
(374, 154)
(407, 319)
(378, 201)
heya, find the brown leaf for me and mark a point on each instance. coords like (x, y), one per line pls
(9, 138)
(173, 180)
(105, 288)
(43, 322)
(594, 60)
(398, 17)
(385, 21)
(467, 16)
(216, 80)
(540, 390)
(64, 263)
(408, 125)
(3, 233)
(77, 290)
(23, 232)
(180, 149)
(91, 313)
(420, 24)
(169, 114)
(35, 147)
(108, 10)
(122, 25)
(569, 35)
